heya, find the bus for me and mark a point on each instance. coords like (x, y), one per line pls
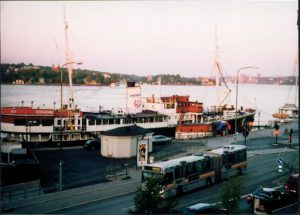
(187, 173)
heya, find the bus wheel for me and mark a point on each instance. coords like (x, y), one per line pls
(208, 182)
(179, 191)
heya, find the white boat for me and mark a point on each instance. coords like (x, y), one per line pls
(289, 111)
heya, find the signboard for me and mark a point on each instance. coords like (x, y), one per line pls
(276, 132)
(142, 152)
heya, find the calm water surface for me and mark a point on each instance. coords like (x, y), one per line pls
(265, 98)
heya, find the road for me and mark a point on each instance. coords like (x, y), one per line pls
(262, 170)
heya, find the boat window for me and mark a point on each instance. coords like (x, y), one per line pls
(20, 122)
(47, 122)
(91, 122)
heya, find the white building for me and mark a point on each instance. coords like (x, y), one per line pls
(122, 142)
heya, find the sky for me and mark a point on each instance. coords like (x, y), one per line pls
(154, 37)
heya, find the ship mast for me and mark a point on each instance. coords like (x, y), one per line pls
(218, 71)
(69, 65)
(217, 67)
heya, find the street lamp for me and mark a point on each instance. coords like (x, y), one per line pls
(61, 123)
(236, 95)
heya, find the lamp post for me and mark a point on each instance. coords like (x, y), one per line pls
(236, 94)
(61, 122)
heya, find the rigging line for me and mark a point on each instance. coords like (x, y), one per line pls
(219, 69)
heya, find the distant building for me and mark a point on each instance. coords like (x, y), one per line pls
(41, 80)
(18, 82)
(106, 76)
(90, 82)
(149, 78)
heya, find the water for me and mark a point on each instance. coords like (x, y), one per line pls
(266, 99)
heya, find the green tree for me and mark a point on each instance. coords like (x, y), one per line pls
(148, 200)
(230, 194)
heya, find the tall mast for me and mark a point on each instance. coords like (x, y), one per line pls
(218, 71)
(69, 66)
(217, 67)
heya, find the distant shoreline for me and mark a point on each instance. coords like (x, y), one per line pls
(97, 85)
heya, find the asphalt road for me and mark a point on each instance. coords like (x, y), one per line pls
(262, 170)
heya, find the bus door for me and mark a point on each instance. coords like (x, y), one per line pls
(217, 162)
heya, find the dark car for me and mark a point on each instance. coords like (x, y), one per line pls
(160, 139)
(92, 144)
(268, 198)
(291, 186)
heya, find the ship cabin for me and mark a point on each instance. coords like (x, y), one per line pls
(27, 124)
(103, 121)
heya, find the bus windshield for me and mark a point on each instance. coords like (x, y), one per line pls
(147, 175)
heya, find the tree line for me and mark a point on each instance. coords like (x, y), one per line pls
(31, 74)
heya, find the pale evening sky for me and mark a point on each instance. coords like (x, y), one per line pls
(154, 37)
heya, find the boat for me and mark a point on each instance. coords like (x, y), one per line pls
(193, 121)
(68, 125)
(289, 111)
(134, 113)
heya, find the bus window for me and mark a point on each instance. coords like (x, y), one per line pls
(193, 167)
(168, 178)
(177, 172)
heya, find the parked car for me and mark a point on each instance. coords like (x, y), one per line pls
(291, 186)
(159, 139)
(266, 199)
(203, 208)
(92, 144)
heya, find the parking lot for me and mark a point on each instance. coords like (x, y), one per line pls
(80, 167)
(83, 167)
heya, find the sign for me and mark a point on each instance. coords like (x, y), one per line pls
(142, 152)
(280, 164)
(276, 132)
(133, 99)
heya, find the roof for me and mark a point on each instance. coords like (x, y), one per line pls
(200, 206)
(109, 115)
(176, 161)
(132, 130)
(228, 148)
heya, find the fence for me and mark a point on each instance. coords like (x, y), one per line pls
(21, 191)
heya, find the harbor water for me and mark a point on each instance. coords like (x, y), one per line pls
(266, 99)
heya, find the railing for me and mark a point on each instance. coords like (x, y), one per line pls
(21, 191)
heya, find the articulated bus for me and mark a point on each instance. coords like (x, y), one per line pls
(184, 174)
